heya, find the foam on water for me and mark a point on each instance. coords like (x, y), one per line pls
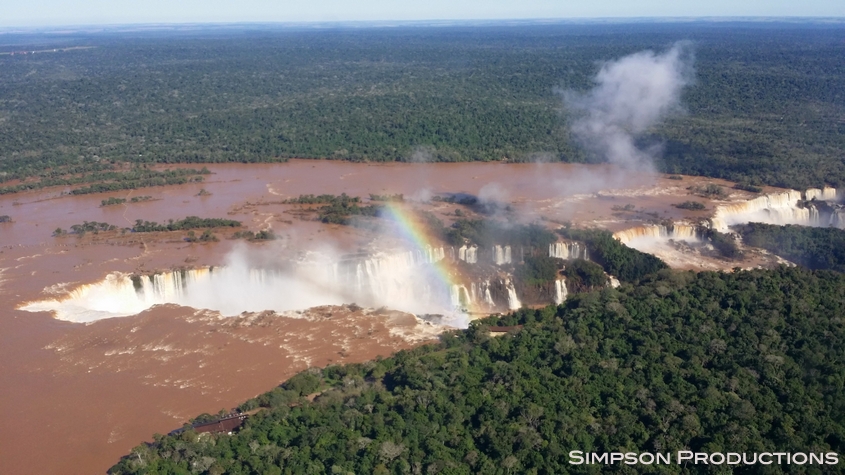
(815, 207)
(401, 280)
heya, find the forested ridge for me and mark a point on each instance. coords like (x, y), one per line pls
(815, 248)
(748, 361)
(766, 107)
(617, 259)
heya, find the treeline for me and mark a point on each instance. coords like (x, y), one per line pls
(460, 199)
(112, 201)
(690, 205)
(625, 263)
(337, 209)
(263, 235)
(815, 248)
(86, 226)
(398, 198)
(537, 270)
(710, 190)
(748, 187)
(743, 362)
(724, 243)
(206, 236)
(114, 180)
(584, 276)
(191, 222)
(142, 178)
(421, 94)
(340, 209)
(142, 226)
(489, 232)
(118, 201)
(322, 199)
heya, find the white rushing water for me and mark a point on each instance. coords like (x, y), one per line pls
(560, 291)
(468, 254)
(501, 255)
(404, 281)
(513, 299)
(410, 281)
(815, 207)
(678, 232)
(481, 294)
(568, 250)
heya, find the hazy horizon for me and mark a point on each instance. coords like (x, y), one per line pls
(187, 25)
(55, 13)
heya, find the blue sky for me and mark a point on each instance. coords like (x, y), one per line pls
(20, 13)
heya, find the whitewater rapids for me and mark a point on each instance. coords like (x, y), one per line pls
(404, 281)
(410, 281)
(815, 207)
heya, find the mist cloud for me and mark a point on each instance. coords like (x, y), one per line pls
(631, 94)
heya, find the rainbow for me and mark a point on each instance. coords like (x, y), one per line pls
(412, 230)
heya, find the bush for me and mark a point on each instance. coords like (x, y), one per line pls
(690, 205)
(710, 191)
(748, 187)
(112, 201)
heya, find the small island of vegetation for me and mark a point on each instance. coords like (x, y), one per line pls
(142, 226)
(690, 205)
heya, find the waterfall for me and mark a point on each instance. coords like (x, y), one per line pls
(568, 250)
(455, 295)
(401, 280)
(404, 281)
(501, 255)
(825, 194)
(480, 293)
(472, 255)
(460, 297)
(678, 231)
(788, 207)
(513, 300)
(815, 207)
(396, 280)
(113, 296)
(488, 297)
(468, 254)
(560, 291)
(168, 286)
(837, 219)
(684, 232)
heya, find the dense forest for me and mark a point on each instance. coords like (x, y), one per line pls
(625, 263)
(741, 362)
(766, 106)
(815, 248)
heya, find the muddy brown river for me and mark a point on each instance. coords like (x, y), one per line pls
(78, 396)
